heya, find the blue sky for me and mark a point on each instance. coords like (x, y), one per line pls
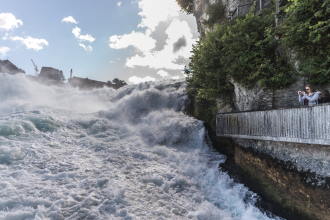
(135, 40)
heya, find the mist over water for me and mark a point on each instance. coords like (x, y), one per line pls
(106, 154)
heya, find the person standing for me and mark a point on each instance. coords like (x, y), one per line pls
(308, 97)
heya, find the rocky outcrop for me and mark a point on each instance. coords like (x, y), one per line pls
(246, 99)
(233, 8)
(200, 13)
(8, 67)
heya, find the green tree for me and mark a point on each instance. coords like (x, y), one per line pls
(186, 5)
(306, 29)
(244, 50)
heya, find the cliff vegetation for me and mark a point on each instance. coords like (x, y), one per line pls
(252, 51)
(306, 30)
(186, 5)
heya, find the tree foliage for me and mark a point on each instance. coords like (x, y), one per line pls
(244, 50)
(306, 29)
(186, 5)
(216, 13)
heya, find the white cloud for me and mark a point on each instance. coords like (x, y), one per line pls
(31, 43)
(81, 38)
(168, 56)
(5, 36)
(87, 48)
(8, 21)
(153, 13)
(77, 33)
(162, 73)
(137, 80)
(69, 19)
(120, 3)
(140, 41)
(4, 51)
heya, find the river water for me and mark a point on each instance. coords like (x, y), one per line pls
(106, 154)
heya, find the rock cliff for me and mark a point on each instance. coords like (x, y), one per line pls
(233, 8)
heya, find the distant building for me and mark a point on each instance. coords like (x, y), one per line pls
(8, 67)
(51, 75)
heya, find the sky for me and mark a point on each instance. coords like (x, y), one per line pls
(134, 40)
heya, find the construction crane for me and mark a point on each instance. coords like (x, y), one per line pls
(35, 67)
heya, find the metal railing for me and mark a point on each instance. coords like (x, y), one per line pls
(309, 125)
(243, 9)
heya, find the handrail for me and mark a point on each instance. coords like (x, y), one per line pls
(309, 125)
(273, 109)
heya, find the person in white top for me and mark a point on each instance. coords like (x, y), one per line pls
(308, 97)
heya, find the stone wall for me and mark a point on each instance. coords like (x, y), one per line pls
(310, 158)
(288, 97)
(285, 187)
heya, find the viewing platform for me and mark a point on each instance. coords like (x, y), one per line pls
(308, 125)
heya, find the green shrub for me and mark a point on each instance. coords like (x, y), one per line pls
(186, 5)
(244, 50)
(306, 29)
(216, 13)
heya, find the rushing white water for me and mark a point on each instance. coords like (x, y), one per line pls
(105, 154)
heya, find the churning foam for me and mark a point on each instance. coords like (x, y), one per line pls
(106, 154)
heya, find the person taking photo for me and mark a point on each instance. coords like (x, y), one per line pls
(308, 97)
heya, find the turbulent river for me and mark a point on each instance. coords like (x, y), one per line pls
(106, 154)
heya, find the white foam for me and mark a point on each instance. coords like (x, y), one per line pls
(105, 154)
